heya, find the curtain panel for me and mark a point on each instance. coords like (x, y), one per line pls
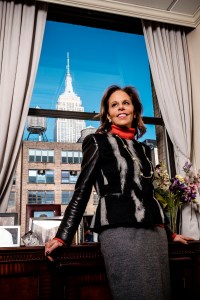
(168, 58)
(22, 26)
(169, 62)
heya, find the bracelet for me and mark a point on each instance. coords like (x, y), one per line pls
(59, 240)
(173, 236)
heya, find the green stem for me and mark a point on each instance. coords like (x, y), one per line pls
(173, 210)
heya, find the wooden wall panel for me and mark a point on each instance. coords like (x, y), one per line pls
(78, 273)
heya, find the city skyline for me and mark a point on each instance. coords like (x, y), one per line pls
(98, 59)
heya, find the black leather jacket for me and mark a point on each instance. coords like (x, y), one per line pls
(125, 196)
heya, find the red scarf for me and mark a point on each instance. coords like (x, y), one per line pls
(125, 133)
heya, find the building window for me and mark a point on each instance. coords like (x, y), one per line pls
(11, 201)
(41, 176)
(40, 197)
(14, 178)
(71, 157)
(38, 155)
(69, 176)
(95, 198)
(66, 196)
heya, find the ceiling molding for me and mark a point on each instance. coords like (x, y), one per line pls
(132, 10)
(197, 18)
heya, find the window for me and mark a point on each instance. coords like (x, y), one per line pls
(11, 201)
(91, 68)
(14, 178)
(69, 176)
(40, 197)
(38, 155)
(95, 198)
(71, 157)
(41, 176)
(66, 196)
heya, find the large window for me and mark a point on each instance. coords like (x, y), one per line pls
(83, 52)
(92, 56)
(41, 176)
(39, 155)
(40, 197)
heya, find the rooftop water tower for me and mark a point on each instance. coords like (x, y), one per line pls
(86, 131)
(37, 126)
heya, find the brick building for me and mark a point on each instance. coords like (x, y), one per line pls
(46, 174)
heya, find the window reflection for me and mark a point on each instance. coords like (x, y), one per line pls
(41, 176)
(69, 176)
(66, 196)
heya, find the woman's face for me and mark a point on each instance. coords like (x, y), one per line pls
(120, 109)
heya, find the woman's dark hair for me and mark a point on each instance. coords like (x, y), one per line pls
(138, 123)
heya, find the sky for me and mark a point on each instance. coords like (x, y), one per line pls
(98, 59)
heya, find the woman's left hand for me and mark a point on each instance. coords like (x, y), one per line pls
(182, 239)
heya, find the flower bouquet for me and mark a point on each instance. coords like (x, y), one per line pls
(177, 191)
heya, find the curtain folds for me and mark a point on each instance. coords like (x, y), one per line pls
(22, 26)
(169, 63)
(168, 57)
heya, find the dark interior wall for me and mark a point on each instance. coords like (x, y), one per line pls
(91, 18)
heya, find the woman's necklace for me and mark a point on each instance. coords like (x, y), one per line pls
(133, 158)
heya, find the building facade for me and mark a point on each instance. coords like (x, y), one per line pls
(46, 174)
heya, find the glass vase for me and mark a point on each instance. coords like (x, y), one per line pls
(173, 218)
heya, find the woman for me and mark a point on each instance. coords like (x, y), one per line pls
(130, 222)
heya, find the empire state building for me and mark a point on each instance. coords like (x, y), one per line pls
(69, 130)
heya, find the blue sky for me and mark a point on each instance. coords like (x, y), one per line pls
(98, 59)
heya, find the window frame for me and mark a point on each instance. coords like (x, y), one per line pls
(96, 19)
(49, 157)
(103, 20)
(73, 157)
(69, 177)
(37, 195)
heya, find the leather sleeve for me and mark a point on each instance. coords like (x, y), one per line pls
(76, 208)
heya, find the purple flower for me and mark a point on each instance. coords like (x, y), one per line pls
(178, 190)
(186, 168)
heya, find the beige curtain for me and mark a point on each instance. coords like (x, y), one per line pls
(169, 62)
(22, 26)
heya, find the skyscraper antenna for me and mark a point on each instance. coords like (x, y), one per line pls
(68, 70)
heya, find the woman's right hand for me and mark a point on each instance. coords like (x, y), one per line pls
(50, 246)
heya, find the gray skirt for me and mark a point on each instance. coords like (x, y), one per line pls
(136, 261)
